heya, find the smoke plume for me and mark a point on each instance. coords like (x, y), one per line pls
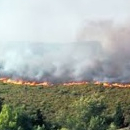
(101, 53)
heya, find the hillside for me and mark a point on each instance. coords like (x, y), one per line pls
(52, 100)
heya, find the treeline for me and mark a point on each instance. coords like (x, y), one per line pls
(88, 114)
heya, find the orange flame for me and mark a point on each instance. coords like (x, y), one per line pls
(21, 82)
(105, 84)
(33, 83)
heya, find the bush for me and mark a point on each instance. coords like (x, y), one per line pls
(96, 123)
(39, 127)
(88, 115)
(16, 119)
(24, 122)
(63, 129)
(1, 102)
(8, 118)
(112, 127)
(119, 117)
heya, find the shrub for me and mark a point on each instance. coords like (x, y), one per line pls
(63, 129)
(16, 119)
(39, 127)
(112, 127)
(24, 122)
(1, 102)
(87, 115)
(119, 117)
(8, 118)
(97, 123)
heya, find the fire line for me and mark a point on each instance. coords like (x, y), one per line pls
(34, 83)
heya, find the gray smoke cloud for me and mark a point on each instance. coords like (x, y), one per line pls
(101, 53)
(114, 64)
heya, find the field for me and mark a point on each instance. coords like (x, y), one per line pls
(54, 99)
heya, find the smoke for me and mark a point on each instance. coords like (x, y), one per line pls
(36, 61)
(114, 63)
(101, 53)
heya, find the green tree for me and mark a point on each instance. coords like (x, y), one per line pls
(24, 122)
(119, 117)
(112, 127)
(1, 102)
(97, 123)
(88, 114)
(8, 118)
(39, 127)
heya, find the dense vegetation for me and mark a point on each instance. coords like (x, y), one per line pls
(81, 107)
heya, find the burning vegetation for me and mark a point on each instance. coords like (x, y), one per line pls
(34, 83)
(102, 53)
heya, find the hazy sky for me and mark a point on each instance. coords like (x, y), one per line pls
(54, 20)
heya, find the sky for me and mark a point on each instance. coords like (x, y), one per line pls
(55, 21)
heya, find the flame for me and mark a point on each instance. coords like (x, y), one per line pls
(75, 83)
(21, 82)
(105, 84)
(34, 83)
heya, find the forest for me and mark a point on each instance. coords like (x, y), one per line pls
(58, 107)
